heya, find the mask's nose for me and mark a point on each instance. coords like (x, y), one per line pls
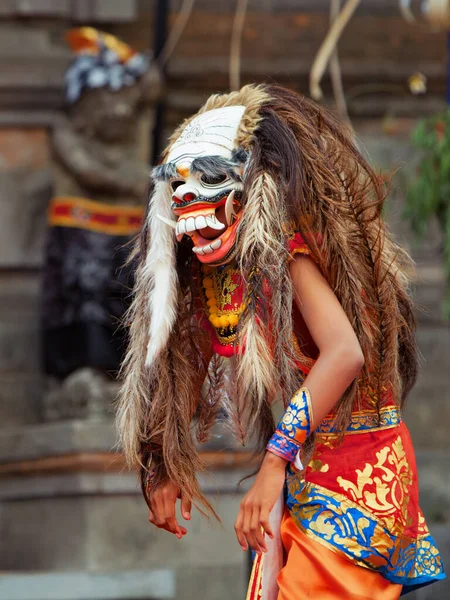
(184, 193)
(189, 196)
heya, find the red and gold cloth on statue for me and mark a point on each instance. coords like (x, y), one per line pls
(85, 284)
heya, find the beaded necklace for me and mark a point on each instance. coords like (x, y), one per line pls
(222, 291)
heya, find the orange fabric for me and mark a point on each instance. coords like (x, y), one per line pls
(314, 571)
(88, 40)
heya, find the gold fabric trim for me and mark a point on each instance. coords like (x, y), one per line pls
(363, 421)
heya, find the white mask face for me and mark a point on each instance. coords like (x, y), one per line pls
(204, 170)
(212, 133)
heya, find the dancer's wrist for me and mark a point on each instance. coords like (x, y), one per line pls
(274, 461)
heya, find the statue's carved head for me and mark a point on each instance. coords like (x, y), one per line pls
(107, 84)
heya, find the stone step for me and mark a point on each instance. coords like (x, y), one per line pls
(145, 585)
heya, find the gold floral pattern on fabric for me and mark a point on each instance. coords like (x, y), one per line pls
(316, 465)
(422, 528)
(383, 487)
(355, 532)
(325, 515)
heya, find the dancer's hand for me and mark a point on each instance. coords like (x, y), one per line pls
(162, 511)
(253, 519)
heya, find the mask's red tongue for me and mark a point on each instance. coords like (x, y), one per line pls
(208, 232)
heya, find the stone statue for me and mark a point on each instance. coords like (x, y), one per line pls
(100, 164)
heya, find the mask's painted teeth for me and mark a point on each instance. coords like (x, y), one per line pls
(214, 223)
(195, 223)
(229, 209)
(180, 229)
(208, 248)
(200, 223)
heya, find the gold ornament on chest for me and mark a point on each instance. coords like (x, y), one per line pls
(219, 285)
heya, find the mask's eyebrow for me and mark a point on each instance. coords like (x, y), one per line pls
(165, 172)
(214, 166)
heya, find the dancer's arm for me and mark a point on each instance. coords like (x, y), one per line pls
(340, 361)
(340, 355)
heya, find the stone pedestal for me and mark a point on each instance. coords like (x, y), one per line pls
(68, 506)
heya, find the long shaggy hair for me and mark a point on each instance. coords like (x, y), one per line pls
(304, 171)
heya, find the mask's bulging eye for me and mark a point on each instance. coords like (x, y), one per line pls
(214, 179)
(176, 184)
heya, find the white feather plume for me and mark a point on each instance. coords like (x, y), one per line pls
(160, 272)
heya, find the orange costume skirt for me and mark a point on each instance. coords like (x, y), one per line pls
(314, 571)
(352, 526)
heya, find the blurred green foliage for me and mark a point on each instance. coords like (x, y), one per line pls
(429, 193)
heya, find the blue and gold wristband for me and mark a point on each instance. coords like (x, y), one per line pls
(295, 426)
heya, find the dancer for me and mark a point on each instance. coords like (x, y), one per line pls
(264, 244)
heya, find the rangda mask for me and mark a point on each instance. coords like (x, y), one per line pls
(204, 169)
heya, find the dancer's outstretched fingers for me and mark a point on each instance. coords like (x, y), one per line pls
(255, 537)
(247, 525)
(186, 507)
(247, 516)
(265, 522)
(257, 530)
(157, 506)
(238, 529)
(151, 517)
(169, 513)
